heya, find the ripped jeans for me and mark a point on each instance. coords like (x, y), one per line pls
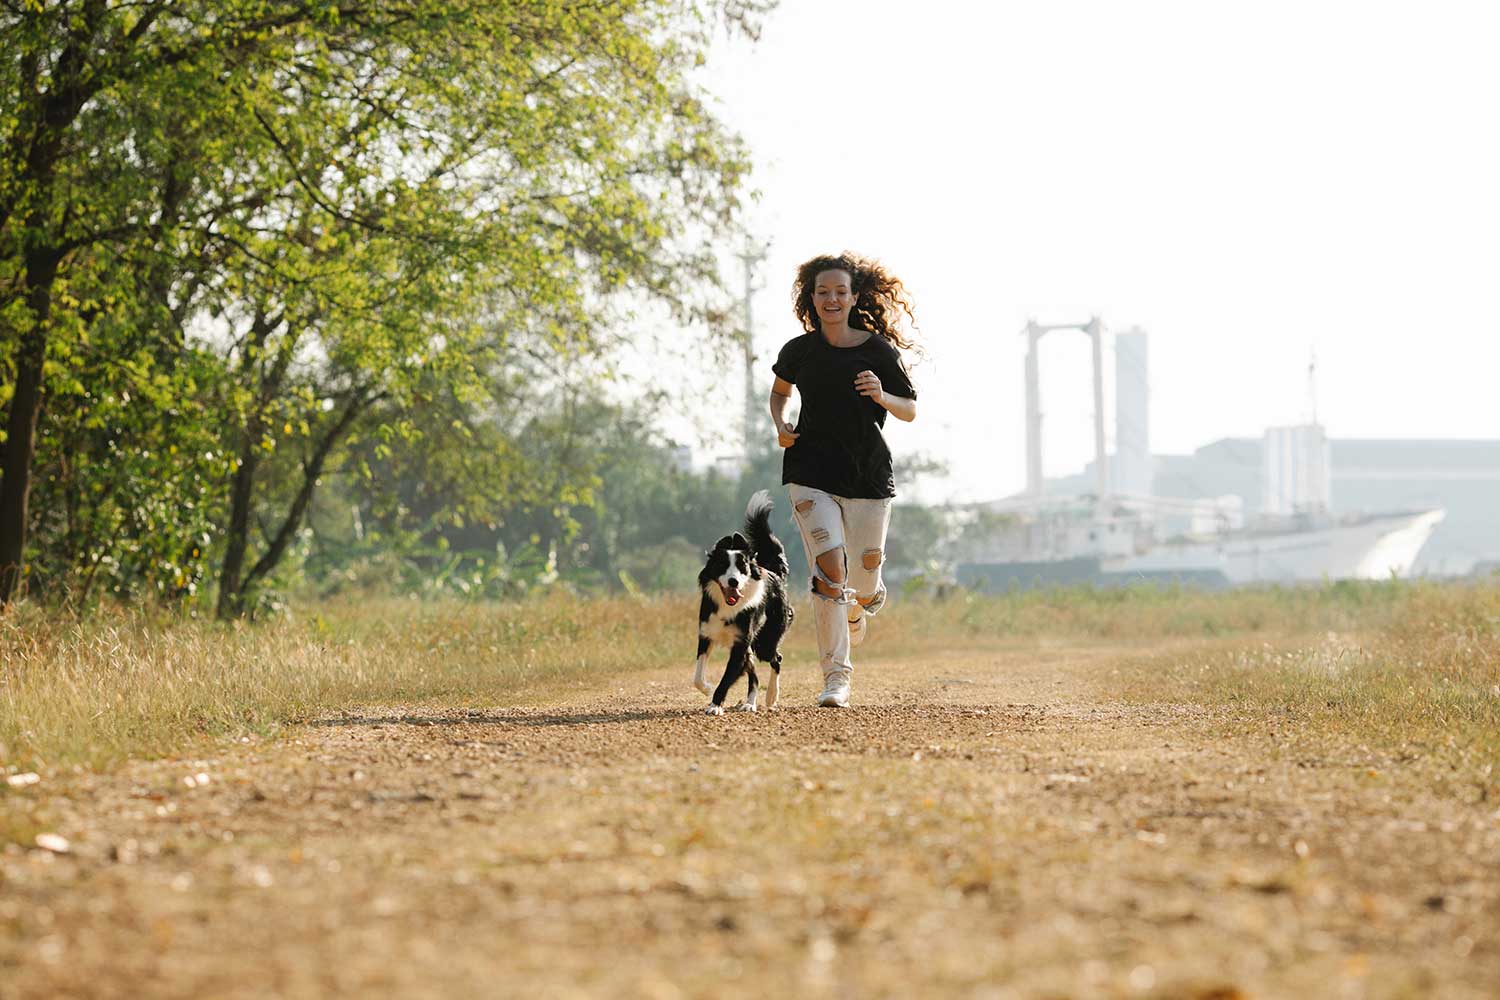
(858, 526)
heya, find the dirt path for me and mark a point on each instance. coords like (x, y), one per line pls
(985, 824)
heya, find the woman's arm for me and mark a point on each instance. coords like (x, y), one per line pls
(899, 406)
(781, 395)
(867, 383)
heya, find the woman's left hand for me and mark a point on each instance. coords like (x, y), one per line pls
(867, 383)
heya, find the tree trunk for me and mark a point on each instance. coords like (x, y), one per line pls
(312, 471)
(236, 585)
(237, 538)
(231, 603)
(54, 112)
(25, 410)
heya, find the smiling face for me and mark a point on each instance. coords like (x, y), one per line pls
(833, 297)
(731, 567)
(734, 577)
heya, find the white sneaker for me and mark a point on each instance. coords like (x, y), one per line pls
(835, 690)
(857, 625)
(857, 629)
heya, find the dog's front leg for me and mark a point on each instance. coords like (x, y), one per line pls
(748, 705)
(699, 680)
(773, 684)
(739, 655)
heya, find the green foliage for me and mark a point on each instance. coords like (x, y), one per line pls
(286, 228)
(579, 493)
(131, 483)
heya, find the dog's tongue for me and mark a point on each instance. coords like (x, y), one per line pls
(731, 599)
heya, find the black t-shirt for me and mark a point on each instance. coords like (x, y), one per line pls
(840, 449)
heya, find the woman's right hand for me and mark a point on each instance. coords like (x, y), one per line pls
(785, 436)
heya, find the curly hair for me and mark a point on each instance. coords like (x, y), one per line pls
(879, 297)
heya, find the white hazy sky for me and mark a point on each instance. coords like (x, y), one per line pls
(1251, 183)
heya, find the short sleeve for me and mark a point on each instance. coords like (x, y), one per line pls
(789, 362)
(894, 378)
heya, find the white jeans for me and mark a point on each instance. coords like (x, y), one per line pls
(858, 526)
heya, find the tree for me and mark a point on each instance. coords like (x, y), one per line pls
(544, 174)
(75, 77)
(362, 198)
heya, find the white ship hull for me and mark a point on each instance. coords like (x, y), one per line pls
(1376, 548)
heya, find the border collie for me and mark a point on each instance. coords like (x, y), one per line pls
(745, 606)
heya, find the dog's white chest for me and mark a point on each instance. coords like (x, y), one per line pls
(719, 629)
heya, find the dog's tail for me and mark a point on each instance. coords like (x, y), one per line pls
(769, 551)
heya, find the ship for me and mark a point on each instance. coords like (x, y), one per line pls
(1120, 533)
(1070, 540)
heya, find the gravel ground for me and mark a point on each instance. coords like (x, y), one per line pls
(988, 823)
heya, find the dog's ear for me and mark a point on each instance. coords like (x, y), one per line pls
(723, 543)
(740, 541)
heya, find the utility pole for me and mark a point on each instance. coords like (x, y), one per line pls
(750, 257)
(1312, 387)
(1095, 330)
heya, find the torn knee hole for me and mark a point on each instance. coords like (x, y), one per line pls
(803, 506)
(820, 534)
(826, 588)
(832, 567)
(872, 558)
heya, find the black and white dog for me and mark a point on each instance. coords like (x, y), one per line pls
(745, 606)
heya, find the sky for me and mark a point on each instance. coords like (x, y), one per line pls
(1253, 184)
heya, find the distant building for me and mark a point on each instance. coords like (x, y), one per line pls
(1294, 477)
(1361, 475)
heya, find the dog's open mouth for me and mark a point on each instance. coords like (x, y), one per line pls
(731, 595)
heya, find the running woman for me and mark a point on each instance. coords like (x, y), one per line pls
(848, 370)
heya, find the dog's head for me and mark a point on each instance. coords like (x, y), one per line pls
(731, 565)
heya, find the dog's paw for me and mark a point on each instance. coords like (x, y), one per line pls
(714, 710)
(744, 706)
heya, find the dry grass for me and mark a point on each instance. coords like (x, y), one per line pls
(1068, 794)
(136, 683)
(1154, 612)
(1425, 668)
